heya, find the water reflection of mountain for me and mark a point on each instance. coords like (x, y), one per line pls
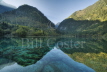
(53, 61)
(93, 53)
(41, 57)
(5, 62)
(72, 45)
(11, 48)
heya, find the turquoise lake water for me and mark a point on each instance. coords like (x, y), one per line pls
(60, 54)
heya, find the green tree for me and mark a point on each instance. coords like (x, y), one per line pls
(22, 31)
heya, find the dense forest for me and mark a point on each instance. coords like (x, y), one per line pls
(12, 30)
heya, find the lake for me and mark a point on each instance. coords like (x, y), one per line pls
(53, 54)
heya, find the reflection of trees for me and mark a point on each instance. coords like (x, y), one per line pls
(12, 49)
(7, 42)
(93, 54)
(90, 46)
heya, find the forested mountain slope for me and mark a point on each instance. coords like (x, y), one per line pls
(26, 21)
(91, 20)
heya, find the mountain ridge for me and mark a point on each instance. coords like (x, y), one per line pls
(93, 12)
(25, 13)
(24, 21)
(91, 20)
(5, 7)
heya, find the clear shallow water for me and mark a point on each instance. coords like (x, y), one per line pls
(51, 55)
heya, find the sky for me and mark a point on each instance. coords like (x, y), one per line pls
(54, 10)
